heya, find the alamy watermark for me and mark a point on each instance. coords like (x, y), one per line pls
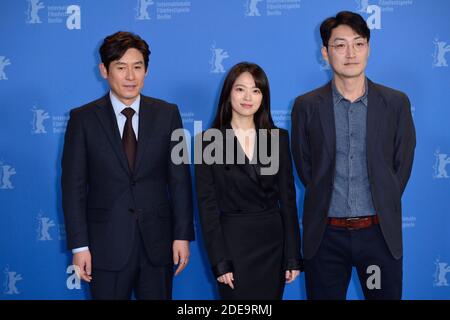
(216, 146)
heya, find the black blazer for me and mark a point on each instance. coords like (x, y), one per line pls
(240, 188)
(104, 202)
(390, 150)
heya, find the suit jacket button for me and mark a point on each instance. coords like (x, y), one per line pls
(131, 210)
(133, 183)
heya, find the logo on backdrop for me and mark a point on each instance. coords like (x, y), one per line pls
(440, 165)
(44, 224)
(187, 117)
(142, 9)
(281, 117)
(218, 55)
(440, 274)
(70, 14)
(362, 5)
(254, 8)
(6, 172)
(11, 279)
(441, 48)
(39, 116)
(33, 11)
(38, 122)
(3, 63)
(165, 9)
(409, 222)
(383, 5)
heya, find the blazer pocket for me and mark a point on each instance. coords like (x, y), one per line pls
(98, 214)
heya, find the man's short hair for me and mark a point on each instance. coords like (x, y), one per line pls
(351, 19)
(114, 47)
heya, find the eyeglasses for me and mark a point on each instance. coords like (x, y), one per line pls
(342, 47)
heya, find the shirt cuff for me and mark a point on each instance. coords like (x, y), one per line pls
(81, 249)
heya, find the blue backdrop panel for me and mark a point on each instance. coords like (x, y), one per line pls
(48, 65)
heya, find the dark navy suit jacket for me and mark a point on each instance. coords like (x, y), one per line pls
(104, 202)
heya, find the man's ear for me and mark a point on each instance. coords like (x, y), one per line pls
(325, 54)
(103, 70)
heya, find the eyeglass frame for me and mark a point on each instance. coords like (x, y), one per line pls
(346, 45)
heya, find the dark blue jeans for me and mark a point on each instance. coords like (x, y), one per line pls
(328, 273)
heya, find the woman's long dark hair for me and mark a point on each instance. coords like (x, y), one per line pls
(262, 118)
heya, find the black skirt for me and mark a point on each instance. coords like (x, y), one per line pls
(255, 242)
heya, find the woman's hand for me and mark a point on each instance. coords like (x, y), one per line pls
(291, 275)
(227, 278)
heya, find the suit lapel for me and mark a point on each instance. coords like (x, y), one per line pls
(249, 167)
(246, 167)
(146, 125)
(265, 181)
(376, 106)
(326, 112)
(107, 118)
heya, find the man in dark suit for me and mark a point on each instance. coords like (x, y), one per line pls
(127, 206)
(353, 144)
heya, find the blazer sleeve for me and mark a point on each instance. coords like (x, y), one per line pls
(180, 188)
(74, 182)
(292, 241)
(209, 212)
(301, 149)
(405, 143)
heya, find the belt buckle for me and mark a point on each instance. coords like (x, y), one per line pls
(352, 219)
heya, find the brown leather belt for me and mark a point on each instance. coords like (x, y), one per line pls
(353, 223)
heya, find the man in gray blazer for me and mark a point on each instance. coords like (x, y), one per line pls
(353, 145)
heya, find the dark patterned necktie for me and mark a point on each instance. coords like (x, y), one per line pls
(129, 138)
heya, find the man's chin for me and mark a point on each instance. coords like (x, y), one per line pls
(130, 96)
(352, 75)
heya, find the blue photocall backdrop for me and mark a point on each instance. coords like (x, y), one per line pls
(48, 65)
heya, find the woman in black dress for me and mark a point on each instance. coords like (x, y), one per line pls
(246, 192)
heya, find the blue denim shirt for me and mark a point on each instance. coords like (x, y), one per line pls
(351, 196)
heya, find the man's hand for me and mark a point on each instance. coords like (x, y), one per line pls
(180, 249)
(83, 265)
